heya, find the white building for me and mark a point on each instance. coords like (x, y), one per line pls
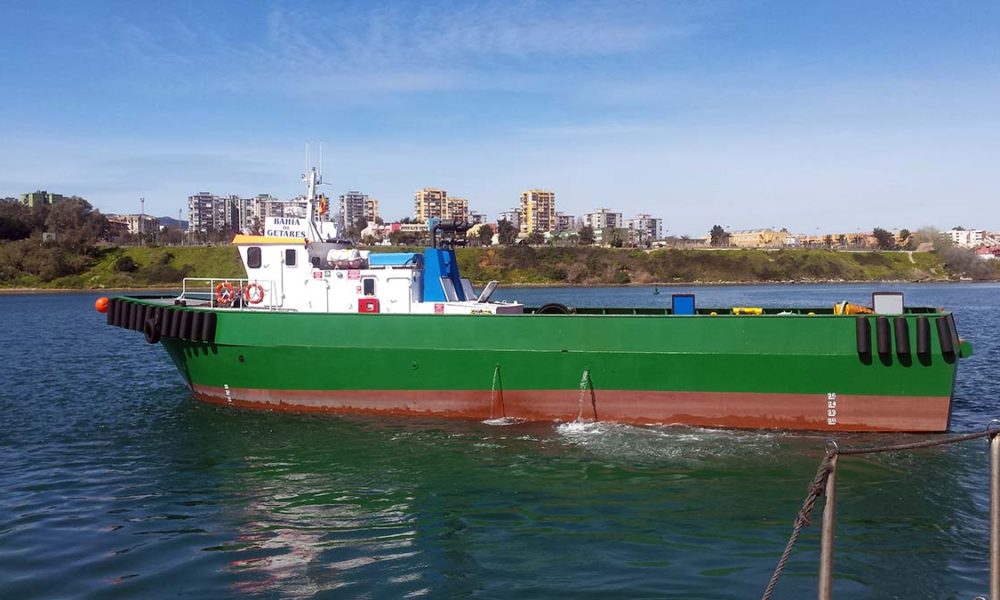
(644, 228)
(565, 222)
(355, 207)
(603, 218)
(135, 224)
(967, 238)
(208, 212)
(512, 215)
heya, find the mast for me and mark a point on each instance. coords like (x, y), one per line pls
(312, 178)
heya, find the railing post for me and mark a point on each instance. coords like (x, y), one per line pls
(829, 531)
(994, 513)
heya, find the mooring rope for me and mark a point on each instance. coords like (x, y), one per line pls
(814, 491)
(818, 486)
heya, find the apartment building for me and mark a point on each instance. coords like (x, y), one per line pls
(565, 222)
(602, 218)
(538, 211)
(645, 228)
(356, 207)
(512, 216)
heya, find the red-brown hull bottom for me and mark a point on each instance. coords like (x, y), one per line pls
(738, 410)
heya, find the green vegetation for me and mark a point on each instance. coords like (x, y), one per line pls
(139, 267)
(598, 266)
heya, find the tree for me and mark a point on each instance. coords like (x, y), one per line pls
(828, 241)
(536, 238)
(13, 229)
(586, 235)
(172, 236)
(842, 240)
(485, 235)
(78, 227)
(885, 239)
(931, 235)
(506, 232)
(718, 236)
(905, 239)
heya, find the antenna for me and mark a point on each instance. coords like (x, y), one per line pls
(306, 169)
(321, 161)
(142, 206)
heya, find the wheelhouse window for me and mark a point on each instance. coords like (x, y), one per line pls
(368, 284)
(253, 257)
(290, 257)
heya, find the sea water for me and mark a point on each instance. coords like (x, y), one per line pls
(115, 483)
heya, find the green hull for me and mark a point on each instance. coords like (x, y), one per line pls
(768, 371)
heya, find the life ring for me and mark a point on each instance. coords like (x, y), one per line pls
(225, 293)
(254, 293)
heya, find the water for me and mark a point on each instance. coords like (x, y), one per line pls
(114, 483)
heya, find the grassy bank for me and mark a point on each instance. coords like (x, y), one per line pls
(593, 266)
(136, 267)
(150, 267)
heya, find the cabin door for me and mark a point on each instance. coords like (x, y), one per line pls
(396, 295)
(317, 295)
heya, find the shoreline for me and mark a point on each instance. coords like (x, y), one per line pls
(673, 284)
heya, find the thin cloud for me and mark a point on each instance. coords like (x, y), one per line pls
(417, 48)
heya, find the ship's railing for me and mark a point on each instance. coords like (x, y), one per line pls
(231, 293)
(825, 484)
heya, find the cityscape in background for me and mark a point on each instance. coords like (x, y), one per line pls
(533, 220)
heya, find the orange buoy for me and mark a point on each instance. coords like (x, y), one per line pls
(101, 304)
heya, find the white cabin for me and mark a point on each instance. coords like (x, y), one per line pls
(294, 274)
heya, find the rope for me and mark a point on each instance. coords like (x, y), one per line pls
(915, 445)
(818, 485)
(814, 491)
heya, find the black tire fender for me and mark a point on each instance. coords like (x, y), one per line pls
(151, 330)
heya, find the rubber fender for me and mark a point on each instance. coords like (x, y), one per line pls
(141, 321)
(208, 327)
(175, 324)
(864, 331)
(883, 343)
(945, 336)
(123, 315)
(166, 318)
(151, 330)
(140, 317)
(130, 315)
(902, 330)
(955, 342)
(923, 336)
(120, 313)
(196, 318)
(185, 332)
(553, 308)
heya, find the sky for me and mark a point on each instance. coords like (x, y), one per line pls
(813, 116)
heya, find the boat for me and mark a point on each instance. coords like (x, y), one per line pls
(318, 325)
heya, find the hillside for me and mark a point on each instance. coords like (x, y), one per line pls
(138, 267)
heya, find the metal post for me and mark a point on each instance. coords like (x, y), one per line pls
(829, 527)
(995, 517)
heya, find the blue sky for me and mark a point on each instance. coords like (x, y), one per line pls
(838, 116)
